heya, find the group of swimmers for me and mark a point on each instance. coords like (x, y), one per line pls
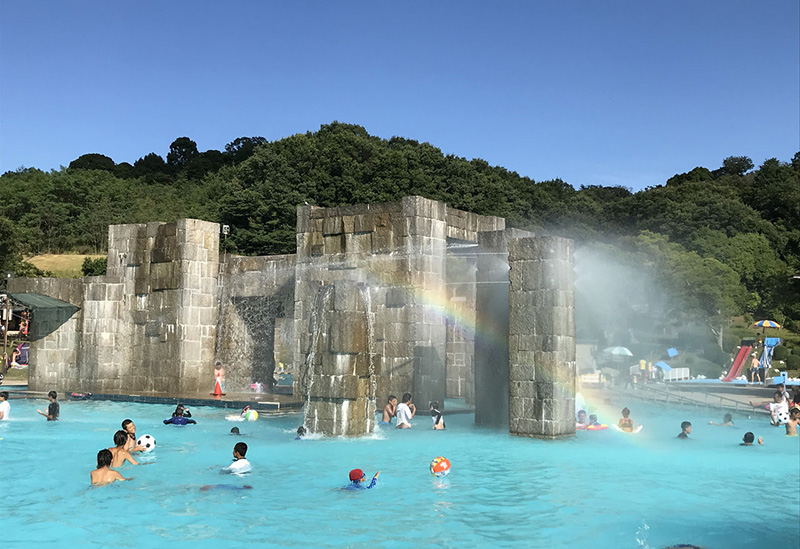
(125, 445)
(789, 420)
(53, 409)
(405, 412)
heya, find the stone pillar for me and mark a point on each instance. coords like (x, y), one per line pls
(198, 264)
(541, 337)
(425, 251)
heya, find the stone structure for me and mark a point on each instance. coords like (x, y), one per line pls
(149, 325)
(371, 305)
(541, 340)
(256, 304)
(380, 299)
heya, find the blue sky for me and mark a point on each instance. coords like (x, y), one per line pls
(594, 92)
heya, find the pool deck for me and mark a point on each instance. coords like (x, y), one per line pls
(261, 402)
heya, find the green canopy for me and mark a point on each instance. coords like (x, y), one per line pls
(48, 313)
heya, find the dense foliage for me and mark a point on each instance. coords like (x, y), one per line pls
(724, 241)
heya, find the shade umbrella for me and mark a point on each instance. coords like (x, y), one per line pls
(764, 324)
(618, 351)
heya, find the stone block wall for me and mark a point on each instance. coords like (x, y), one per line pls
(255, 294)
(53, 358)
(541, 337)
(149, 325)
(396, 252)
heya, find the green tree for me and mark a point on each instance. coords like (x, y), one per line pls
(92, 161)
(737, 165)
(181, 152)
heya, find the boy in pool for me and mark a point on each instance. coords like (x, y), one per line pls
(625, 422)
(686, 429)
(181, 411)
(240, 464)
(54, 409)
(301, 433)
(389, 410)
(405, 412)
(593, 420)
(727, 421)
(4, 405)
(436, 416)
(581, 422)
(748, 439)
(357, 478)
(794, 418)
(104, 474)
(118, 453)
(130, 429)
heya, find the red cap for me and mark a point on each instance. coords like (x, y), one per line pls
(356, 474)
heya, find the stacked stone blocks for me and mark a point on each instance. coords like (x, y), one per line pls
(541, 337)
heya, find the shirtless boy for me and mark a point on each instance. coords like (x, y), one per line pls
(390, 409)
(119, 454)
(104, 474)
(130, 428)
(794, 419)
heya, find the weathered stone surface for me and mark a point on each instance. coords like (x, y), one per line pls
(542, 328)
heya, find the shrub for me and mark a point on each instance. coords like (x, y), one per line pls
(94, 267)
(714, 354)
(793, 362)
(780, 352)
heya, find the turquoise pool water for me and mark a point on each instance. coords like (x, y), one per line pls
(598, 489)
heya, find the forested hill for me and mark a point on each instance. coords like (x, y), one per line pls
(726, 240)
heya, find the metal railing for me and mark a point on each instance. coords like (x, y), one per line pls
(660, 394)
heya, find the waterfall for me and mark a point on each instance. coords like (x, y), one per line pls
(366, 296)
(317, 313)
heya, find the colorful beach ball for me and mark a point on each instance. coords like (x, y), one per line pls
(440, 466)
(251, 415)
(147, 442)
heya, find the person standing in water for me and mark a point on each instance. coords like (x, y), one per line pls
(5, 407)
(104, 474)
(119, 454)
(405, 412)
(436, 416)
(389, 410)
(54, 409)
(130, 428)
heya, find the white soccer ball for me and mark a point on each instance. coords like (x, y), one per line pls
(147, 442)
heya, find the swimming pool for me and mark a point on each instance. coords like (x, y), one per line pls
(598, 489)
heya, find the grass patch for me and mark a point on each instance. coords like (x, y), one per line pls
(16, 375)
(62, 265)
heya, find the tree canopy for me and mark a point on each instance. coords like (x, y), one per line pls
(724, 240)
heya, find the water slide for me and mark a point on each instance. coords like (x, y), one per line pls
(738, 362)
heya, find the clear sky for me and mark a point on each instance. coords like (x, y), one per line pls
(594, 92)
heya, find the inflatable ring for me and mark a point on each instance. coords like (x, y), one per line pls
(601, 427)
